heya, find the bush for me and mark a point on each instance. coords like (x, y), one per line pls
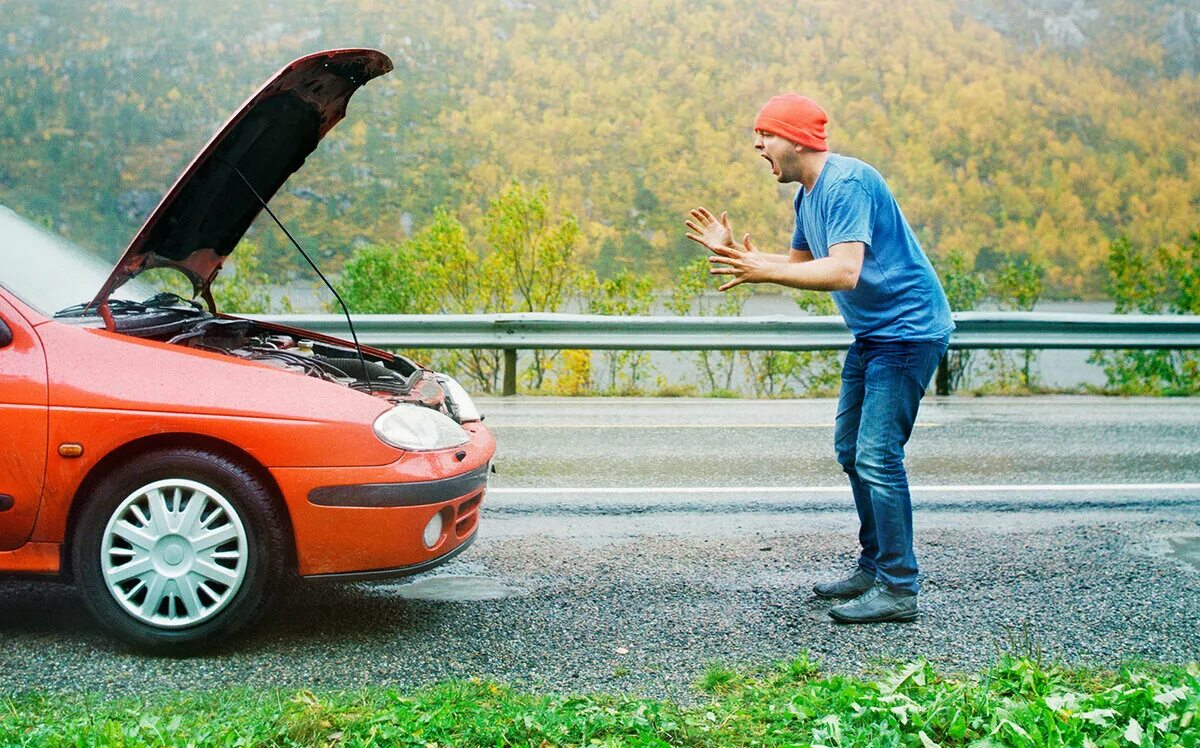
(1166, 281)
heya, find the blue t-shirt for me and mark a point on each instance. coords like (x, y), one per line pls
(898, 296)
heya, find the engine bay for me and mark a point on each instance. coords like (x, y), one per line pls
(171, 319)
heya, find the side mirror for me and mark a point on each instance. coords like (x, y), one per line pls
(5, 334)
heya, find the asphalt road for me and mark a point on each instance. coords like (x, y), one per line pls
(627, 543)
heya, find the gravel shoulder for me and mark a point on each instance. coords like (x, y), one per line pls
(643, 603)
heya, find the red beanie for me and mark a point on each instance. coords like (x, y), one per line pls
(795, 117)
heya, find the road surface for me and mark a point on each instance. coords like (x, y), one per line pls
(627, 543)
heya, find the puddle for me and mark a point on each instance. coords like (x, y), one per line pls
(454, 588)
(1186, 548)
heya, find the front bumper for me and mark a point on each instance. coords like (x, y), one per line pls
(365, 521)
(413, 493)
(402, 571)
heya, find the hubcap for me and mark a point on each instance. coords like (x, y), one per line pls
(174, 553)
(173, 556)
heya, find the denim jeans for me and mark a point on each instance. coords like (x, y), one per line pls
(882, 386)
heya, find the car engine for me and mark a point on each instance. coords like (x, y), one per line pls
(171, 319)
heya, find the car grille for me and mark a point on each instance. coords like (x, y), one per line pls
(466, 514)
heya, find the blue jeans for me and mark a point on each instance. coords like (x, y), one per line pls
(882, 386)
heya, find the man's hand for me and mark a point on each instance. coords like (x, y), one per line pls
(707, 230)
(744, 263)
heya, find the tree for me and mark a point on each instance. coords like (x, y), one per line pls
(469, 284)
(536, 250)
(1152, 283)
(964, 289)
(624, 294)
(243, 287)
(395, 279)
(1018, 285)
(695, 293)
(785, 373)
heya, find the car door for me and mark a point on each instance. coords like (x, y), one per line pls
(24, 413)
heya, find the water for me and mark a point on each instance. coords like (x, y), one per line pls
(452, 588)
(1186, 549)
(1060, 369)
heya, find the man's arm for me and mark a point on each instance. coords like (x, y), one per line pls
(837, 272)
(794, 255)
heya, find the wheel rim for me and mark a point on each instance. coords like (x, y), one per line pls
(174, 553)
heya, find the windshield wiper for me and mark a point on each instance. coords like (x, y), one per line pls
(168, 299)
(79, 310)
(164, 300)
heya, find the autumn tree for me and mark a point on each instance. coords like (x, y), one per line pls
(242, 285)
(1017, 286)
(625, 294)
(536, 250)
(1163, 281)
(965, 288)
(989, 138)
(694, 294)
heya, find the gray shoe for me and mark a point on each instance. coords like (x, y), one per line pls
(880, 603)
(848, 588)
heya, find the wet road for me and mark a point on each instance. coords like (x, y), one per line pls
(708, 442)
(628, 543)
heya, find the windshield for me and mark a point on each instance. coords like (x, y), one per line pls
(49, 273)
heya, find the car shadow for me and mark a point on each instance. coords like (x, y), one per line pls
(39, 608)
(307, 613)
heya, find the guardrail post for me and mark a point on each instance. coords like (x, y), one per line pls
(510, 371)
(943, 375)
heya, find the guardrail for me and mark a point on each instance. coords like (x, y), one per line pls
(527, 331)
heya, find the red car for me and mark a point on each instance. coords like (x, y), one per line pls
(180, 464)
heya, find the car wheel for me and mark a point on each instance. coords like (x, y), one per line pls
(178, 550)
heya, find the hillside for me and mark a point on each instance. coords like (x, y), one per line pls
(1035, 127)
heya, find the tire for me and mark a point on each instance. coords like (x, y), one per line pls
(179, 550)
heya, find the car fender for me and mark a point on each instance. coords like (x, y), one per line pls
(108, 390)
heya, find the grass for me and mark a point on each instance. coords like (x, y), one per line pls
(1016, 702)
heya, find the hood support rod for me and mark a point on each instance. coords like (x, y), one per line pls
(313, 265)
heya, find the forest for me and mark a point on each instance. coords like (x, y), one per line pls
(1014, 132)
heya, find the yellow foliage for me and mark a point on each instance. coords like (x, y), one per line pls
(573, 373)
(628, 116)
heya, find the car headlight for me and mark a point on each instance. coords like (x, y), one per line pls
(417, 428)
(458, 402)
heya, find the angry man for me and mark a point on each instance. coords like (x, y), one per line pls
(851, 239)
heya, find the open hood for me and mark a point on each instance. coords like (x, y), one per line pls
(204, 215)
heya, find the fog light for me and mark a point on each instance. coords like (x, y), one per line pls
(433, 530)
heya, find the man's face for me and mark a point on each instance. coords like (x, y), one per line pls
(780, 153)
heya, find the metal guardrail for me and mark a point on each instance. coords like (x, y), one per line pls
(527, 331)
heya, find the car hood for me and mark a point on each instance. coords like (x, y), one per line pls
(204, 215)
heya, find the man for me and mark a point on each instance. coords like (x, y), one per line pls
(851, 239)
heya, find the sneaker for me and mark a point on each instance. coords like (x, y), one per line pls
(848, 588)
(880, 603)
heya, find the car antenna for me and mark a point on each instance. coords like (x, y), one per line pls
(313, 265)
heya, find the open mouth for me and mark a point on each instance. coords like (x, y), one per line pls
(771, 161)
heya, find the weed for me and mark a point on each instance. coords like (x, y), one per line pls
(1017, 701)
(718, 678)
(1020, 642)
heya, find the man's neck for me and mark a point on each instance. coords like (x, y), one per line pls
(810, 168)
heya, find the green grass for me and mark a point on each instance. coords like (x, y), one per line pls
(1016, 702)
